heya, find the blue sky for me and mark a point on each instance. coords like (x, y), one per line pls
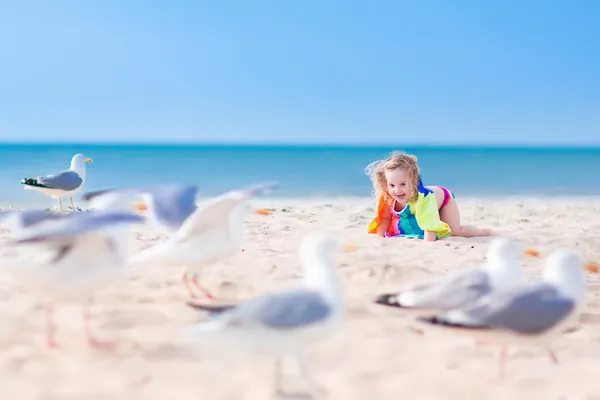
(335, 71)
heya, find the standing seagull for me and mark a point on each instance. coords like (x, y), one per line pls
(85, 252)
(66, 183)
(284, 323)
(502, 270)
(202, 235)
(529, 314)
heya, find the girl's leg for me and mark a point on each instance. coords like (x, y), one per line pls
(450, 215)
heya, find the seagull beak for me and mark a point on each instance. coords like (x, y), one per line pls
(349, 247)
(263, 212)
(141, 206)
(89, 160)
(532, 253)
(592, 267)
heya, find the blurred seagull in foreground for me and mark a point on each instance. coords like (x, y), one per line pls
(201, 234)
(84, 253)
(502, 269)
(20, 221)
(530, 314)
(283, 323)
(66, 183)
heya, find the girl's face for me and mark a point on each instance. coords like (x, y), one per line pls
(399, 186)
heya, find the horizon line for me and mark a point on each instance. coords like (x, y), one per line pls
(301, 144)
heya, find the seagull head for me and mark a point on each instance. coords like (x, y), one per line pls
(79, 160)
(564, 268)
(505, 248)
(317, 251)
(503, 260)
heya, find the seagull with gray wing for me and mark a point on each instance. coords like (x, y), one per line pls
(502, 269)
(66, 183)
(84, 252)
(202, 234)
(530, 314)
(283, 323)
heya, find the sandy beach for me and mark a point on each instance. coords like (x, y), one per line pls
(374, 357)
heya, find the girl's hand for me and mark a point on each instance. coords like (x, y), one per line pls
(430, 236)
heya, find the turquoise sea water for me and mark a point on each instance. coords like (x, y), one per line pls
(305, 171)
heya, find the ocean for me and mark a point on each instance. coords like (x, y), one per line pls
(304, 171)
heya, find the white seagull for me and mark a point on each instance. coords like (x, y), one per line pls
(201, 235)
(530, 314)
(501, 270)
(66, 183)
(284, 323)
(84, 253)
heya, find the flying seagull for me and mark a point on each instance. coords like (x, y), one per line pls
(201, 235)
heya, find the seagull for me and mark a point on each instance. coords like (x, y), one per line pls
(20, 221)
(284, 323)
(66, 183)
(200, 235)
(84, 253)
(501, 270)
(531, 313)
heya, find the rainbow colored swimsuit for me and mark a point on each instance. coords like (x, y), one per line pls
(416, 218)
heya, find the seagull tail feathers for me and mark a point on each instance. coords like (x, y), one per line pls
(31, 182)
(212, 309)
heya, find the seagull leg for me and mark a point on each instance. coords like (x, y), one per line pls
(416, 330)
(502, 364)
(72, 205)
(92, 340)
(315, 386)
(50, 328)
(202, 289)
(59, 204)
(278, 378)
(553, 356)
(186, 283)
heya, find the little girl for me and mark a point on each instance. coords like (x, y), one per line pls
(407, 208)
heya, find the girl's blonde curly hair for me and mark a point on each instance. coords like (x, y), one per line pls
(398, 160)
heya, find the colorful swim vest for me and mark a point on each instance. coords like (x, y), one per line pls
(416, 218)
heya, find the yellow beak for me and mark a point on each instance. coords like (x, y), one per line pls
(592, 267)
(263, 211)
(88, 160)
(532, 253)
(349, 247)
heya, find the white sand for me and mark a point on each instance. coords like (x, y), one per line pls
(375, 357)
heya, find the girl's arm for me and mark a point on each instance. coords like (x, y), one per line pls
(384, 222)
(430, 236)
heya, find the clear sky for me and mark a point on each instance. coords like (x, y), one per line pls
(336, 71)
